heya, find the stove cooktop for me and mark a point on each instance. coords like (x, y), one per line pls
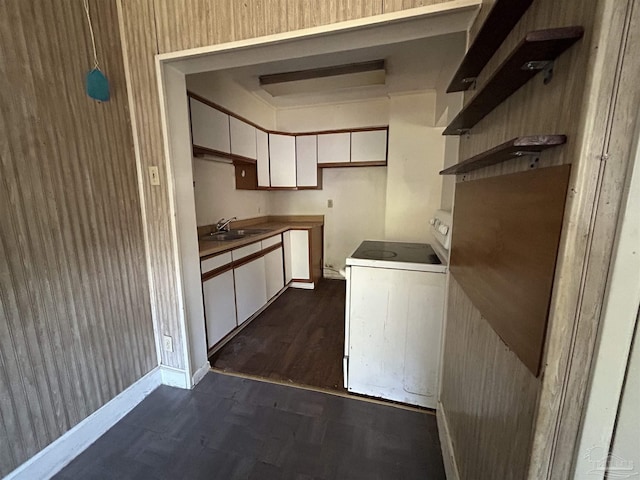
(397, 252)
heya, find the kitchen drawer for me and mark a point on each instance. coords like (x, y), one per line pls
(215, 262)
(242, 252)
(271, 241)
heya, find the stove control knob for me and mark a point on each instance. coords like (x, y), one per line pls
(443, 229)
(432, 221)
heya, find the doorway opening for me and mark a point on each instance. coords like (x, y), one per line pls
(421, 36)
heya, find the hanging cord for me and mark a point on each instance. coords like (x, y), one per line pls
(96, 66)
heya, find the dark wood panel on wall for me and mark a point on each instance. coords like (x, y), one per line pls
(506, 232)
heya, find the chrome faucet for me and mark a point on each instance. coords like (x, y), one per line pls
(223, 225)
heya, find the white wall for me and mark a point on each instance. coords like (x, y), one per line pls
(358, 194)
(416, 153)
(333, 116)
(358, 211)
(216, 195)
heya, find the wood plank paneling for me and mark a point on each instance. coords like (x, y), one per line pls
(503, 254)
(578, 101)
(75, 312)
(184, 24)
(489, 396)
(140, 44)
(397, 5)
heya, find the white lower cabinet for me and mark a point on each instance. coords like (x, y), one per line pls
(274, 273)
(232, 297)
(251, 289)
(286, 246)
(300, 255)
(219, 306)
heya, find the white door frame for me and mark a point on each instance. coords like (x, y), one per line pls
(171, 70)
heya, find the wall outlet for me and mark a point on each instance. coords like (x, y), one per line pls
(154, 175)
(168, 343)
(330, 203)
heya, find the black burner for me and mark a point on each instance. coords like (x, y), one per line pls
(397, 252)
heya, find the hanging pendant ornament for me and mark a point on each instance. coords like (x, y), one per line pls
(97, 85)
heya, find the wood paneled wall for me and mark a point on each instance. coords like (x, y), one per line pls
(578, 103)
(489, 395)
(184, 24)
(75, 312)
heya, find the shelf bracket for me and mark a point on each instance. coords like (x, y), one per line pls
(546, 66)
(471, 82)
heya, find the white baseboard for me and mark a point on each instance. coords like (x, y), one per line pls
(304, 285)
(448, 453)
(332, 274)
(175, 377)
(53, 458)
(200, 373)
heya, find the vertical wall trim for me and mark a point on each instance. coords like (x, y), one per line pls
(173, 212)
(446, 445)
(141, 179)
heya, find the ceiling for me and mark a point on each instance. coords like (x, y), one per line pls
(411, 66)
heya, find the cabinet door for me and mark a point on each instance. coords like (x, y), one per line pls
(243, 138)
(219, 307)
(274, 273)
(369, 146)
(307, 160)
(209, 127)
(334, 148)
(286, 246)
(251, 290)
(282, 160)
(300, 255)
(262, 153)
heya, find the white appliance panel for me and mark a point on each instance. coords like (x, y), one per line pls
(395, 322)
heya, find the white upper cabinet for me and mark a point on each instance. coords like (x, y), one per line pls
(334, 147)
(282, 157)
(209, 127)
(243, 138)
(307, 160)
(262, 160)
(369, 146)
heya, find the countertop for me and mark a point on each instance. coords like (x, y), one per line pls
(211, 247)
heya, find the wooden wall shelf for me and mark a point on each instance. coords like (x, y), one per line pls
(533, 54)
(514, 148)
(201, 152)
(502, 18)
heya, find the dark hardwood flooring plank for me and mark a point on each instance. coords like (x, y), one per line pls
(298, 339)
(236, 428)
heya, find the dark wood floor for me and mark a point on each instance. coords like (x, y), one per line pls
(236, 428)
(297, 339)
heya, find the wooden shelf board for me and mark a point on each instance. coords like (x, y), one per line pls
(539, 46)
(501, 19)
(352, 164)
(514, 148)
(200, 152)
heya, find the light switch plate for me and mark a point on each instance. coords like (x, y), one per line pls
(154, 175)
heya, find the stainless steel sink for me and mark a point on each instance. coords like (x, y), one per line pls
(250, 231)
(233, 234)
